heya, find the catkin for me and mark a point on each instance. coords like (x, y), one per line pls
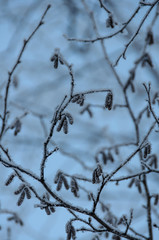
(10, 179)
(109, 101)
(21, 199)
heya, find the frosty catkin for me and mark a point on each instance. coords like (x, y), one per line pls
(28, 193)
(21, 198)
(10, 179)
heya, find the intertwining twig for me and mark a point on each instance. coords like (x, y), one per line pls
(136, 33)
(60, 120)
(98, 38)
(134, 119)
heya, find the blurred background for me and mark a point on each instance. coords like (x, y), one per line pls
(37, 88)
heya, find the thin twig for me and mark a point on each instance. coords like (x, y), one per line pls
(10, 74)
